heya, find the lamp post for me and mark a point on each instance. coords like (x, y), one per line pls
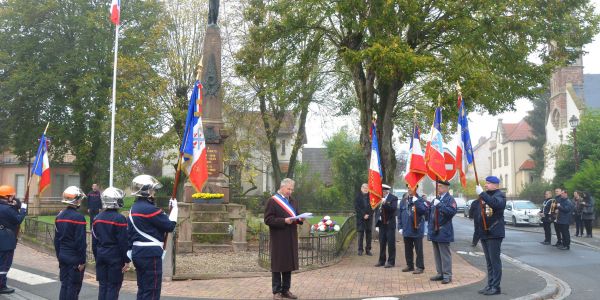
(574, 121)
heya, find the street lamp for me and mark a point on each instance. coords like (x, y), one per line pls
(574, 121)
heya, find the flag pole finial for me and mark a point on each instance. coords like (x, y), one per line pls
(199, 68)
(458, 88)
(374, 116)
(439, 100)
(45, 130)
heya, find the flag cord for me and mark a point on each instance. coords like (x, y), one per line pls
(113, 107)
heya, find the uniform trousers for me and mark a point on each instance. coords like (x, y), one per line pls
(547, 231)
(109, 274)
(443, 259)
(387, 238)
(491, 249)
(558, 233)
(6, 259)
(281, 281)
(149, 277)
(71, 280)
(415, 243)
(566, 235)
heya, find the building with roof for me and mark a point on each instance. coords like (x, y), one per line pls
(510, 159)
(571, 92)
(483, 156)
(318, 164)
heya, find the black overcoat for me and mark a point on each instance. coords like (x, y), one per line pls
(283, 237)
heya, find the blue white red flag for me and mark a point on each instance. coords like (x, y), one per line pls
(416, 168)
(434, 153)
(193, 145)
(115, 12)
(41, 165)
(464, 149)
(375, 173)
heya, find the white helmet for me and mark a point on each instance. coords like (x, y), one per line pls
(143, 185)
(73, 196)
(112, 197)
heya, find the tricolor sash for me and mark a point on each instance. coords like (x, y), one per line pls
(284, 204)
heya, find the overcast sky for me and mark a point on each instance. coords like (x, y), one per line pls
(320, 128)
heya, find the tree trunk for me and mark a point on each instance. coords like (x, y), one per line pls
(388, 97)
(298, 142)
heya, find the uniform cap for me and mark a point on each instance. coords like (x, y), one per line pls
(492, 179)
(386, 187)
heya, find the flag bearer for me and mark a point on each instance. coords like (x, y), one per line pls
(147, 226)
(70, 244)
(110, 245)
(10, 218)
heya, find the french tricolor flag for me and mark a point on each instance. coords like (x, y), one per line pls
(416, 168)
(41, 165)
(115, 11)
(375, 173)
(434, 152)
(193, 146)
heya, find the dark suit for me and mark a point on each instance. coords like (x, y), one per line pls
(362, 208)
(385, 216)
(547, 220)
(10, 218)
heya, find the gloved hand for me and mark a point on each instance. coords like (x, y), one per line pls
(478, 189)
(414, 198)
(557, 204)
(174, 210)
(163, 255)
(377, 229)
(173, 202)
(129, 254)
(24, 206)
(400, 231)
(436, 201)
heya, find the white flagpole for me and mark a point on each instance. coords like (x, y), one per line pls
(114, 96)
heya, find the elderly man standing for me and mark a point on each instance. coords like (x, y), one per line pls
(386, 222)
(280, 215)
(489, 223)
(364, 219)
(441, 232)
(412, 222)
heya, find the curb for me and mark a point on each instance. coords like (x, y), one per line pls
(572, 240)
(555, 287)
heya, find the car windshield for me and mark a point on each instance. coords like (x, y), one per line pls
(525, 205)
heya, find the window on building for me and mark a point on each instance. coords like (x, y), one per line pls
(506, 156)
(58, 185)
(20, 185)
(282, 147)
(555, 118)
(494, 159)
(499, 158)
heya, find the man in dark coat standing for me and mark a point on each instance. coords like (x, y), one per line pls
(94, 202)
(489, 223)
(385, 216)
(280, 215)
(547, 218)
(563, 218)
(364, 219)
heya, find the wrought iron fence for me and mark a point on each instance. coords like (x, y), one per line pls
(315, 249)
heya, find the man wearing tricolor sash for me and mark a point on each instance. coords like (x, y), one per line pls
(281, 213)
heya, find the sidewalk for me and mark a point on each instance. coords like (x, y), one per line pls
(593, 242)
(353, 277)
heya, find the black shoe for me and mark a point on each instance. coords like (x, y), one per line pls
(588, 236)
(387, 266)
(407, 269)
(545, 243)
(564, 247)
(418, 271)
(557, 245)
(379, 265)
(359, 253)
(6, 290)
(369, 253)
(446, 280)
(473, 245)
(437, 278)
(483, 290)
(492, 291)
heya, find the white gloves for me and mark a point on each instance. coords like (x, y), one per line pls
(174, 210)
(163, 255)
(129, 255)
(24, 206)
(478, 189)
(436, 201)
(400, 231)
(414, 198)
(377, 229)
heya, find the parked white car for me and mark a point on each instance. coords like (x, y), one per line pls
(522, 212)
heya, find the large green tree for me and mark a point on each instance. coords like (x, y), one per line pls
(536, 118)
(383, 47)
(56, 66)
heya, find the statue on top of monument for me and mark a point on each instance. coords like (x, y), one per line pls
(213, 11)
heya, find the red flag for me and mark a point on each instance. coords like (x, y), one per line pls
(375, 174)
(416, 168)
(115, 11)
(434, 153)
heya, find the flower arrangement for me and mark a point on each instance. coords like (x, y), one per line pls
(325, 225)
(207, 196)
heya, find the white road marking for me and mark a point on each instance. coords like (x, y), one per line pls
(28, 278)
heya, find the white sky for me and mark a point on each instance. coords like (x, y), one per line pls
(320, 128)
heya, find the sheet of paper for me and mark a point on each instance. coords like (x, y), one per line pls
(305, 215)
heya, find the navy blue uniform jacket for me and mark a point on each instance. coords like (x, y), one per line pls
(150, 220)
(565, 209)
(10, 219)
(69, 240)
(406, 218)
(109, 236)
(497, 201)
(389, 212)
(445, 211)
(94, 200)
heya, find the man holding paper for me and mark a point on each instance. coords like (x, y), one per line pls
(281, 215)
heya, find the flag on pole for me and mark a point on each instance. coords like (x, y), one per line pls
(464, 149)
(416, 162)
(434, 152)
(193, 145)
(41, 165)
(375, 174)
(115, 12)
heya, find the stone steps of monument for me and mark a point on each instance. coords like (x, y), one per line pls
(210, 216)
(211, 238)
(199, 247)
(210, 227)
(209, 207)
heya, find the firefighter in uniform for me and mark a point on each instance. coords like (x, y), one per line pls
(110, 245)
(10, 218)
(70, 244)
(489, 223)
(147, 225)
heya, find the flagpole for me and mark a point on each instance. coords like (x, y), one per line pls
(113, 107)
